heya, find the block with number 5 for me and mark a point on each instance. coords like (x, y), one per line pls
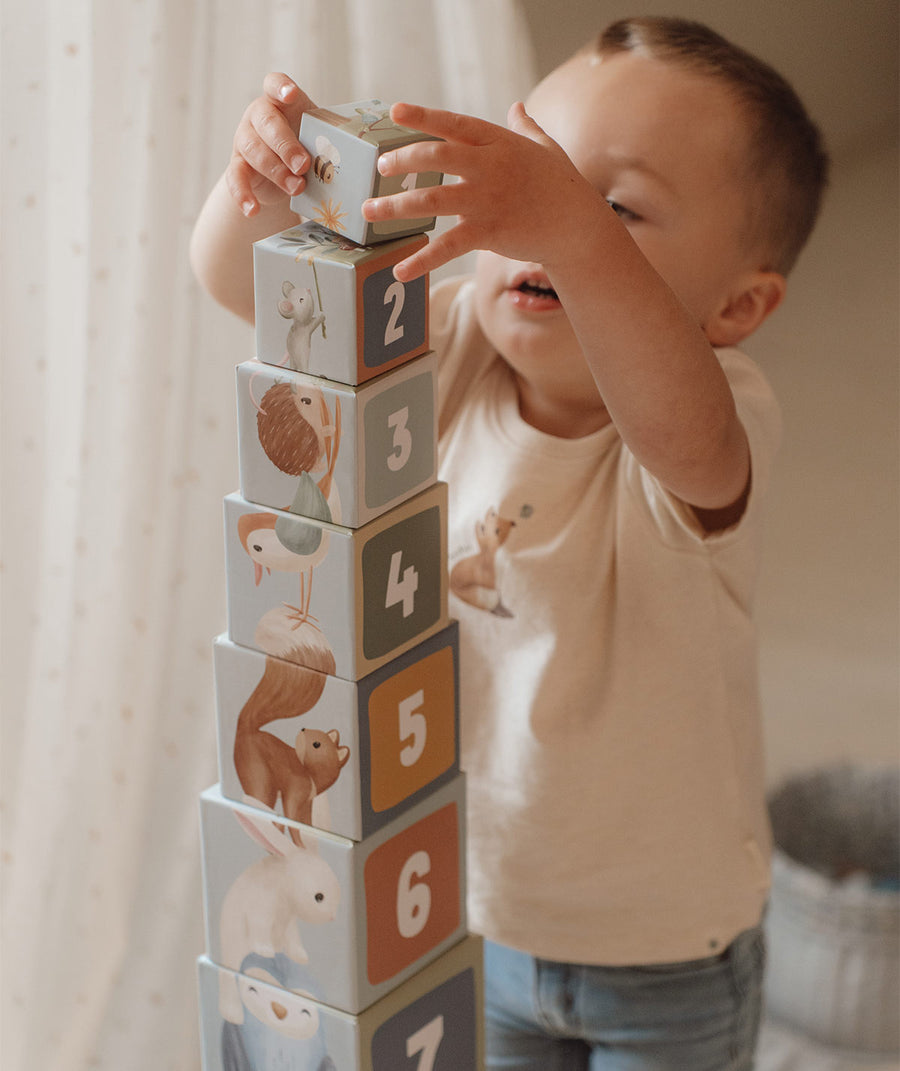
(432, 1022)
(341, 600)
(343, 756)
(334, 309)
(360, 916)
(339, 453)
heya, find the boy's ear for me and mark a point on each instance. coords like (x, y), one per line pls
(757, 296)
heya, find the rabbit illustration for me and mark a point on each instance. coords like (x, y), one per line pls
(267, 900)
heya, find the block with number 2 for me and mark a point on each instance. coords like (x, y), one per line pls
(334, 309)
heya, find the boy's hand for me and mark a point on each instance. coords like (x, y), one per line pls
(515, 187)
(268, 164)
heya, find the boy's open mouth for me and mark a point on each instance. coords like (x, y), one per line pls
(534, 293)
(538, 291)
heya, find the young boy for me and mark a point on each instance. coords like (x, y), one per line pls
(607, 451)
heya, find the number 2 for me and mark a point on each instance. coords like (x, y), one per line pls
(426, 1041)
(395, 293)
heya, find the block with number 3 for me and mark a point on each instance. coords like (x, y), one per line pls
(341, 453)
(334, 309)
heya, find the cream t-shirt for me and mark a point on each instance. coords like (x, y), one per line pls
(609, 706)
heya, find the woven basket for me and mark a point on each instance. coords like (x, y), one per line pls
(833, 925)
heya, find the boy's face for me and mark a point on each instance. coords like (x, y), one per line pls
(667, 146)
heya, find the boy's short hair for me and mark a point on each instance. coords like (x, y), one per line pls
(788, 164)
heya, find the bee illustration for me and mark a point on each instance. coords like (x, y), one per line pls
(326, 160)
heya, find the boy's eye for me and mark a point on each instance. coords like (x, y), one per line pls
(621, 211)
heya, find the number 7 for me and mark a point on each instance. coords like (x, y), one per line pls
(426, 1041)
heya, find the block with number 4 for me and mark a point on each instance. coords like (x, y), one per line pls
(334, 309)
(345, 142)
(360, 916)
(339, 755)
(432, 1022)
(339, 453)
(341, 600)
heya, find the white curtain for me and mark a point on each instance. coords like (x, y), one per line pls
(118, 443)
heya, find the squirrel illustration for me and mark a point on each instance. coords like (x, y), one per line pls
(474, 578)
(267, 767)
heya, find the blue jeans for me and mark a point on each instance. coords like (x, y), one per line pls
(702, 1015)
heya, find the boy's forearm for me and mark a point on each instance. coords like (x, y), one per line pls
(221, 247)
(656, 371)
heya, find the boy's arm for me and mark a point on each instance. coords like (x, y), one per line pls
(656, 372)
(252, 198)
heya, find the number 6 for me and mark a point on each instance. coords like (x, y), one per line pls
(413, 901)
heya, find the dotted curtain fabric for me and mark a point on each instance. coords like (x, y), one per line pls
(118, 444)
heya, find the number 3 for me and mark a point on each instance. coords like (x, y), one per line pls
(402, 439)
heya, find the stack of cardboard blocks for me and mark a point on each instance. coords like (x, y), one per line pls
(334, 843)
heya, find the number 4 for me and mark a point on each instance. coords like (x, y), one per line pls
(426, 1041)
(401, 589)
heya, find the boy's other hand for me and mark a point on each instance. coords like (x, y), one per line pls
(268, 163)
(514, 187)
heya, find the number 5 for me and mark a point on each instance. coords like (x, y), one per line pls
(426, 1041)
(412, 724)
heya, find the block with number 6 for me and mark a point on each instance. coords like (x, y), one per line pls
(334, 309)
(360, 916)
(340, 453)
(344, 756)
(432, 1022)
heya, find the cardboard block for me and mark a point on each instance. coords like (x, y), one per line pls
(334, 309)
(432, 1021)
(339, 453)
(341, 600)
(360, 916)
(345, 142)
(343, 756)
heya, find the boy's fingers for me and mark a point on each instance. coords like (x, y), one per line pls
(443, 124)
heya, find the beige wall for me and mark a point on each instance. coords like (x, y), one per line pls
(828, 607)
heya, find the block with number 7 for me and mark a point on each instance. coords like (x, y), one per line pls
(432, 1022)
